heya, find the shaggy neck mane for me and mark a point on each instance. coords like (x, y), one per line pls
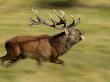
(61, 43)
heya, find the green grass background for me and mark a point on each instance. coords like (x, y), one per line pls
(88, 61)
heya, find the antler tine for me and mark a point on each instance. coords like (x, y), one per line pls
(63, 15)
(32, 21)
(54, 24)
(36, 12)
(61, 20)
(50, 18)
(57, 14)
(73, 24)
(78, 20)
(39, 19)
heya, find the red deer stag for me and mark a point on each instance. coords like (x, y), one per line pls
(44, 47)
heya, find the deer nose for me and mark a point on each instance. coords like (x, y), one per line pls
(82, 34)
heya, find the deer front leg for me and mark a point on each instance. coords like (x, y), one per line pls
(56, 60)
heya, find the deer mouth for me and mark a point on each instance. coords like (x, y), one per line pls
(83, 36)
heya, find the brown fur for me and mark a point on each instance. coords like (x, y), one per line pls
(40, 48)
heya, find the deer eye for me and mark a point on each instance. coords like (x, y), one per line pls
(80, 33)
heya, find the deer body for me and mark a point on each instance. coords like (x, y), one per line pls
(43, 47)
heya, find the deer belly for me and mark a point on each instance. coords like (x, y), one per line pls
(40, 49)
(37, 53)
(36, 56)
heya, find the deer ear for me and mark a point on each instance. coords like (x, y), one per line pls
(66, 32)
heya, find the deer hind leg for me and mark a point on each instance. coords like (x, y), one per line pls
(12, 61)
(12, 56)
(3, 59)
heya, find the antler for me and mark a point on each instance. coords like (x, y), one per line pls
(54, 23)
(38, 21)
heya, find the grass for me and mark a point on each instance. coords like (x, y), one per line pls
(87, 61)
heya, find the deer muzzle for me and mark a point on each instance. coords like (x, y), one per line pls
(83, 35)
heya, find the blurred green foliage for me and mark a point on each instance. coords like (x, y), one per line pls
(57, 3)
(54, 3)
(87, 61)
